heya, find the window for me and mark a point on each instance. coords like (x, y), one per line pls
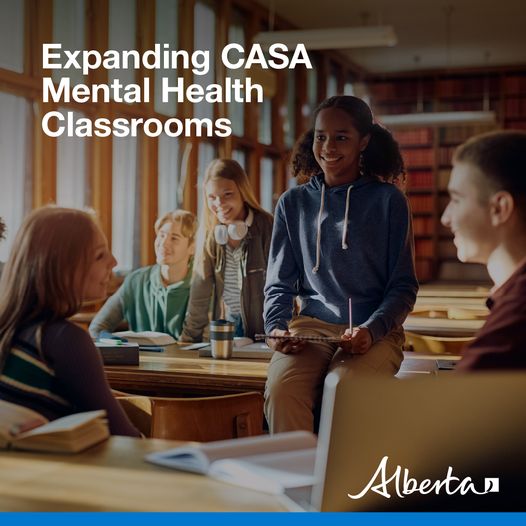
(332, 84)
(236, 110)
(12, 35)
(71, 168)
(266, 184)
(204, 39)
(125, 225)
(265, 121)
(122, 30)
(289, 125)
(166, 24)
(169, 175)
(207, 153)
(14, 145)
(348, 88)
(312, 89)
(241, 157)
(68, 29)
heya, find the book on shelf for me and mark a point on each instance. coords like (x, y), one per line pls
(145, 338)
(268, 463)
(23, 428)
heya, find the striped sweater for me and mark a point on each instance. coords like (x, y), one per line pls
(28, 380)
(55, 369)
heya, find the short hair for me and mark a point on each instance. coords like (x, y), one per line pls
(500, 156)
(186, 219)
(3, 229)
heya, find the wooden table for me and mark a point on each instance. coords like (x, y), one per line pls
(442, 326)
(453, 291)
(183, 373)
(114, 477)
(176, 372)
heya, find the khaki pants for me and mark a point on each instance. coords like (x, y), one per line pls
(295, 381)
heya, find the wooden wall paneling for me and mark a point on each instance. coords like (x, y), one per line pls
(340, 75)
(100, 168)
(279, 109)
(185, 110)
(323, 74)
(148, 153)
(44, 147)
(252, 114)
(221, 110)
(301, 121)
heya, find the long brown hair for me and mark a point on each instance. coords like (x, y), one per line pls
(49, 259)
(223, 169)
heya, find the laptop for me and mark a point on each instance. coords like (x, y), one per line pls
(380, 439)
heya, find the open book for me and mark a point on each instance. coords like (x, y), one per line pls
(22, 428)
(146, 337)
(269, 463)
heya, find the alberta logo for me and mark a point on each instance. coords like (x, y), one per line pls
(405, 485)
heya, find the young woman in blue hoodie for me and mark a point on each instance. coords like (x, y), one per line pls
(342, 234)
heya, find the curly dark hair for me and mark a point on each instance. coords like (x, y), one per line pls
(381, 157)
(3, 229)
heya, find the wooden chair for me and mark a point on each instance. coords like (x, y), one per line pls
(139, 411)
(197, 419)
(420, 343)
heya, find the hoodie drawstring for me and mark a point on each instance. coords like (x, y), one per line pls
(345, 246)
(318, 234)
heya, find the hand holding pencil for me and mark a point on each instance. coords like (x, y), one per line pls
(359, 337)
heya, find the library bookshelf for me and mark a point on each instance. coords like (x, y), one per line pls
(428, 150)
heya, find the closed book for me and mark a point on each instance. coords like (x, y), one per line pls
(119, 353)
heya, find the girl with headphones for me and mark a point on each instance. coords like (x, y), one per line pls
(231, 258)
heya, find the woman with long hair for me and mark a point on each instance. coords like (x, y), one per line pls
(60, 258)
(231, 257)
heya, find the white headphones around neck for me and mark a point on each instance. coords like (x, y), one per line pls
(235, 231)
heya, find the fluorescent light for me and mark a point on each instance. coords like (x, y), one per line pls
(330, 38)
(439, 118)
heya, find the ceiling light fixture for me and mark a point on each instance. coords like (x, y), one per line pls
(439, 118)
(330, 38)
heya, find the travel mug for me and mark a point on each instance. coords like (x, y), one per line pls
(221, 339)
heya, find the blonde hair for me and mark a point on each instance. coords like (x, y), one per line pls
(50, 258)
(186, 219)
(223, 169)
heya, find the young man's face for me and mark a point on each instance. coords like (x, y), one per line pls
(468, 214)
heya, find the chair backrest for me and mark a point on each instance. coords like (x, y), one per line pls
(139, 411)
(207, 419)
(421, 343)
